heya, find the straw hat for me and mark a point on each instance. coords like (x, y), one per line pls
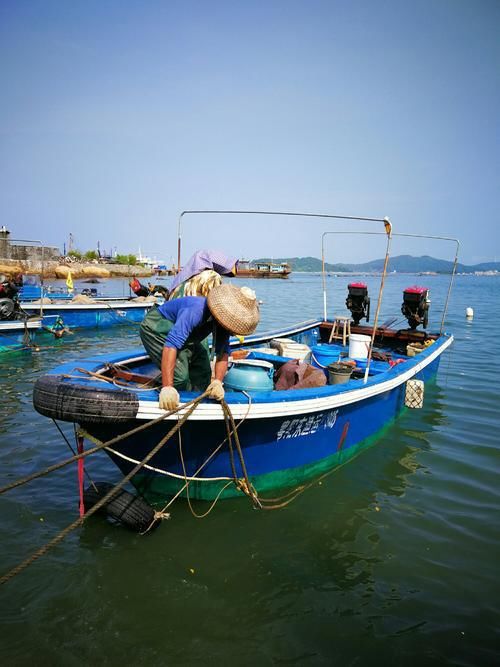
(235, 308)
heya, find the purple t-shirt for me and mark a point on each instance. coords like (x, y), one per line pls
(193, 322)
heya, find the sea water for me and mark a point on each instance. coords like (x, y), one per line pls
(392, 560)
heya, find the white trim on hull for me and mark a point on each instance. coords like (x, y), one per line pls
(20, 325)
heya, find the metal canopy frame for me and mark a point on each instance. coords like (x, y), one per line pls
(385, 221)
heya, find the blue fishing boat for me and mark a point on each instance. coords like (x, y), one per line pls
(285, 437)
(96, 314)
(17, 329)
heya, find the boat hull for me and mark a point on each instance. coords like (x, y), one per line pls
(262, 274)
(17, 334)
(279, 452)
(91, 316)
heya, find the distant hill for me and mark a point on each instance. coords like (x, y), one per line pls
(400, 263)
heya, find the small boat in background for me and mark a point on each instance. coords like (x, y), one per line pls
(247, 269)
(83, 310)
(17, 328)
(92, 313)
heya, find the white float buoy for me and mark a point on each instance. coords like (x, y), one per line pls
(469, 313)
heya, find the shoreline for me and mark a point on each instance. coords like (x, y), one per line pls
(78, 270)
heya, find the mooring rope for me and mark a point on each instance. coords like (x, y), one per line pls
(101, 445)
(122, 319)
(162, 514)
(214, 502)
(244, 485)
(25, 345)
(78, 522)
(248, 489)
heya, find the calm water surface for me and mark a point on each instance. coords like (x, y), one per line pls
(392, 560)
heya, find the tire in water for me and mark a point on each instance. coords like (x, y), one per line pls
(124, 507)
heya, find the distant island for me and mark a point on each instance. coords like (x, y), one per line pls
(400, 264)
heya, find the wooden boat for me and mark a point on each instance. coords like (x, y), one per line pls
(286, 437)
(247, 269)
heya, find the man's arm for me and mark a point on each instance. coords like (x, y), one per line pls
(169, 396)
(215, 388)
(221, 366)
(168, 359)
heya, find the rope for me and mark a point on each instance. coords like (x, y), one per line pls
(58, 538)
(163, 514)
(214, 502)
(146, 386)
(101, 445)
(25, 345)
(73, 451)
(244, 485)
(123, 319)
(280, 502)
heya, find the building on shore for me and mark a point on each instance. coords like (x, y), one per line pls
(23, 254)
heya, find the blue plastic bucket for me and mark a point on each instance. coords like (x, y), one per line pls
(250, 375)
(322, 355)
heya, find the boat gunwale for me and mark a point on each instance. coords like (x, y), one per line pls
(29, 306)
(254, 405)
(31, 323)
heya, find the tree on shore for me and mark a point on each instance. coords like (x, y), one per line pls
(126, 259)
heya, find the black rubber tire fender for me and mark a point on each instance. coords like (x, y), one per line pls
(125, 508)
(55, 397)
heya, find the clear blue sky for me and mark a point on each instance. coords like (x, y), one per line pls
(117, 115)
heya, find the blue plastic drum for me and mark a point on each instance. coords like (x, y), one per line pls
(250, 375)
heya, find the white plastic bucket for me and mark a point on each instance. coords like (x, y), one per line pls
(359, 346)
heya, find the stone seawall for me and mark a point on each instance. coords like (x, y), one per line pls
(52, 269)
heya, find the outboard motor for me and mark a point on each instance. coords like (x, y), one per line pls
(138, 288)
(358, 302)
(415, 306)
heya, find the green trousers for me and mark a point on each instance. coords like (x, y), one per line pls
(192, 369)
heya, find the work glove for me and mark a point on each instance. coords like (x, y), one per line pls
(216, 390)
(169, 398)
